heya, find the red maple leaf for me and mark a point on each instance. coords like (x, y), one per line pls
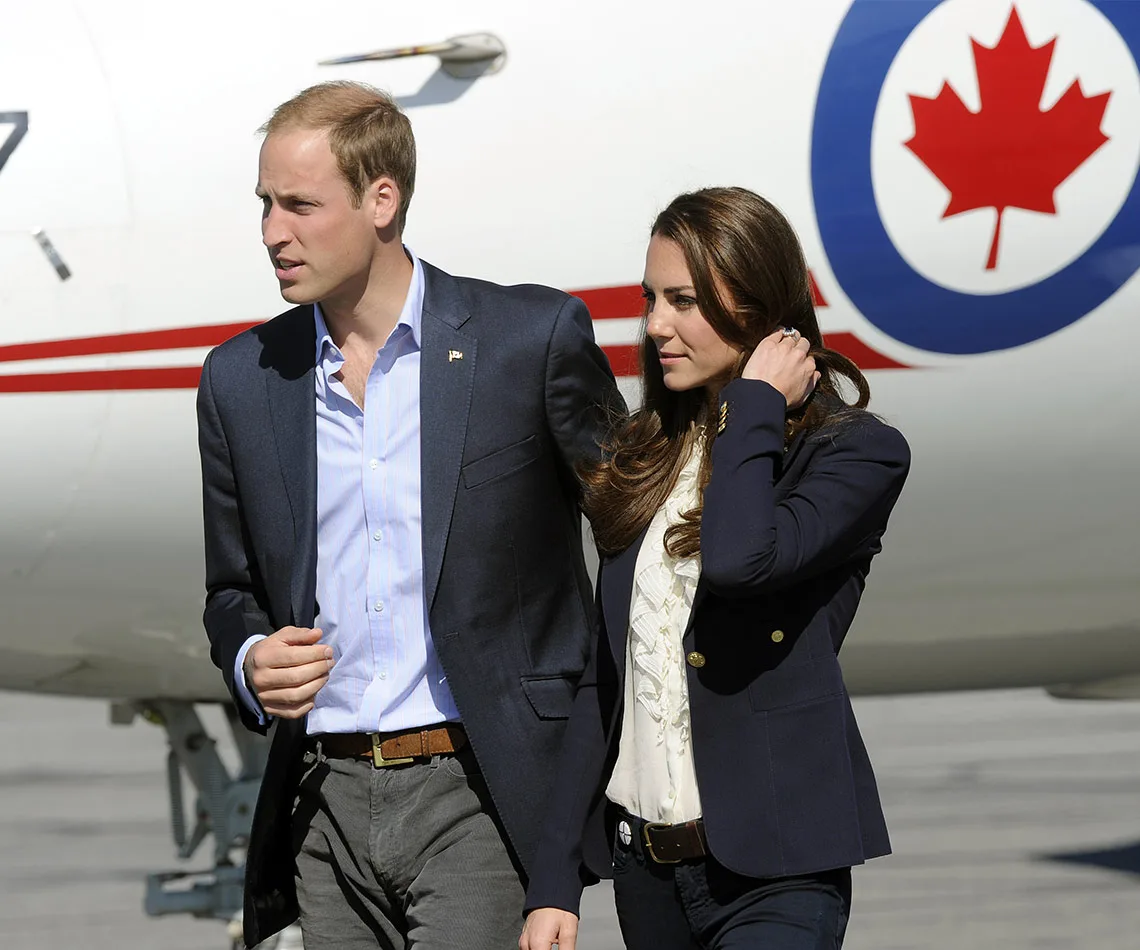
(1008, 154)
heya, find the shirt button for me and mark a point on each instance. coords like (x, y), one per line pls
(374, 464)
(383, 674)
(378, 606)
(378, 536)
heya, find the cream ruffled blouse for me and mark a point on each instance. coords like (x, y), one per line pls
(654, 777)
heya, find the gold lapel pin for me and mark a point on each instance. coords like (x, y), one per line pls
(453, 355)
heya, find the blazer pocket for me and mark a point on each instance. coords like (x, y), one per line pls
(792, 685)
(550, 696)
(501, 462)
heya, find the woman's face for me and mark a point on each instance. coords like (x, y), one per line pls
(690, 351)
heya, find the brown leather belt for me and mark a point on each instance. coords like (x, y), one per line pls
(394, 748)
(671, 844)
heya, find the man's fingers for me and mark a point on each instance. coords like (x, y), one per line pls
(310, 677)
(290, 696)
(288, 669)
(275, 656)
(289, 677)
(299, 636)
(287, 712)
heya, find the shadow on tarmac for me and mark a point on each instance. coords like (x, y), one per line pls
(1125, 858)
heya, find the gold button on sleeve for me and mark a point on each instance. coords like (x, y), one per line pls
(777, 636)
(695, 660)
(723, 420)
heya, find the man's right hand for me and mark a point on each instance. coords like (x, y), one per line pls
(285, 671)
(547, 926)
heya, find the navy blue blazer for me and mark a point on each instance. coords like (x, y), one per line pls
(502, 426)
(786, 544)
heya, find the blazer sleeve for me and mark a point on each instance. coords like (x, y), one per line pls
(581, 394)
(558, 874)
(750, 543)
(233, 611)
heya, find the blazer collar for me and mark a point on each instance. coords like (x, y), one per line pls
(289, 356)
(447, 375)
(447, 380)
(443, 297)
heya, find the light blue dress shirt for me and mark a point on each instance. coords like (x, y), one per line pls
(370, 575)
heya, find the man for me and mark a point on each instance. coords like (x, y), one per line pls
(393, 555)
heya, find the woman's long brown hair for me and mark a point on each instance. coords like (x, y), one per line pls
(749, 278)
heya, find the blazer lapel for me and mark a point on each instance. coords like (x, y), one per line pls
(617, 591)
(447, 378)
(790, 455)
(290, 352)
(698, 597)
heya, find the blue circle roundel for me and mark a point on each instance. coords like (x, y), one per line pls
(882, 285)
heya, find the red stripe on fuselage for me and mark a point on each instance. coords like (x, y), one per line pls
(612, 303)
(604, 303)
(860, 353)
(104, 380)
(179, 338)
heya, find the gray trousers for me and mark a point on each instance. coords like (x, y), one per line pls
(403, 857)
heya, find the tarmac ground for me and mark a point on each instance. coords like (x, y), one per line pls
(1015, 820)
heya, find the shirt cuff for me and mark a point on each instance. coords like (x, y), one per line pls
(245, 694)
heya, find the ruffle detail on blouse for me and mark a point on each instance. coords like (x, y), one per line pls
(657, 625)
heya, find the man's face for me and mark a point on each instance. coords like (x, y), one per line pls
(320, 245)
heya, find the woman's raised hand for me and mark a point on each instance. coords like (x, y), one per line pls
(782, 360)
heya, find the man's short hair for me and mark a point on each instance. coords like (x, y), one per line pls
(368, 135)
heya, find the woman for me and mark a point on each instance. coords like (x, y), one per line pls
(737, 513)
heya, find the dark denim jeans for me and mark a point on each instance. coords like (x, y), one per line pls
(701, 905)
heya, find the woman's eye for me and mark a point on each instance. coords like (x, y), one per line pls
(683, 302)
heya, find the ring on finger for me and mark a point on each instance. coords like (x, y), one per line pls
(790, 331)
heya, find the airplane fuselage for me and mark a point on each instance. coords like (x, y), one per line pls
(1011, 558)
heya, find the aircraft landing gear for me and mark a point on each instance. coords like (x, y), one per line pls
(224, 809)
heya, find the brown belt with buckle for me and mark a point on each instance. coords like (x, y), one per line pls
(394, 748)
(671, 844)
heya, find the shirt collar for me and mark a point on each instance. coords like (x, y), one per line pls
(411, 317)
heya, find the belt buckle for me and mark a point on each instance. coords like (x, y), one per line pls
(645, 829)
(378, 759)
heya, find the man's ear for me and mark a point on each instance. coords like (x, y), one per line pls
(386, 202)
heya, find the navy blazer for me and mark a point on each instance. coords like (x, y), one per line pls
(786, 544)
(513, 392)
